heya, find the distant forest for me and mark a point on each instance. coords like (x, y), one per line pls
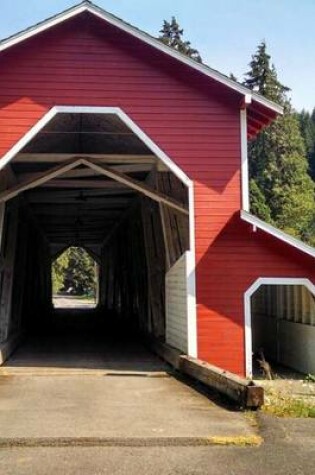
(282, 157)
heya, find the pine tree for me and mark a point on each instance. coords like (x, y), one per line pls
(307, 126)
(262, 77)
(172, 35)
(74, 269)
(282, 191)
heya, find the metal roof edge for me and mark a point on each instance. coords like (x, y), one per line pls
(277, 233)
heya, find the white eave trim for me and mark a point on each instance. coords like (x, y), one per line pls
(268, 228)
(146, 38)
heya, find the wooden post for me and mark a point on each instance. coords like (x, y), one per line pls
(8, 253)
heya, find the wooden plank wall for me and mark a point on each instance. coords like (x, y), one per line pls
(8, 253)
(294, 303)
(133, 269)
(175, 224)
(33, 286)
(25, 291)
(123, 277)
(149, 240)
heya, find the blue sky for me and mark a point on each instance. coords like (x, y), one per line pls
(226, 32)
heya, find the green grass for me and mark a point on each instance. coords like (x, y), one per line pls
(281, 405)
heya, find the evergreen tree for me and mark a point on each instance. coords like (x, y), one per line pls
(258, 203)
(307, 126)
(74, 270)
(172, 35)
(262, 77)
(233, 77)
(282, 192)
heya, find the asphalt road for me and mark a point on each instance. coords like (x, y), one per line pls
(289, 449)
(82, 391)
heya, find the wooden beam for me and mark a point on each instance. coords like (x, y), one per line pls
(84, 132)
(39, 180)
(96, 196)
(76, 173)
(80, 184)
(137, 186)
(123, 217)
(66, 211)
(102, 158)
(241, 390)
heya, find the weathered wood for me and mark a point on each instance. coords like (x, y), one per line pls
(99, 184)
(166, 352)
(244, 392)
(101, 158)
(164, 229)
(88, 172)
(156, 268)
(39, 180)
(239, 389)
(8, 252)
(138, 186)
(176, 225)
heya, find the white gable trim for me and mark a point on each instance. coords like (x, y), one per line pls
(94, 110)
(248, 311)
(268, 228)
(146, 38)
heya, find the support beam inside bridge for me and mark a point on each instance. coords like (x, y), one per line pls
(106, 193)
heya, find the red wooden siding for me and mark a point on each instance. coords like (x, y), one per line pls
(188, 117)
(233, 263)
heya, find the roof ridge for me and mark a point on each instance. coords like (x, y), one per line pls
(88, 5)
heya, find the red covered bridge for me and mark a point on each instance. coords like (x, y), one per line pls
(114, 142)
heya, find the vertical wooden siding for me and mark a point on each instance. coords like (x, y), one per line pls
(195, 125)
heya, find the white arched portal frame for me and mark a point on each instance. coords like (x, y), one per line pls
(158, 152)
(248, 313)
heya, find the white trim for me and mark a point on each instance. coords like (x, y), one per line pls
(192, 342)
(94, 110)
(268, 228)
(244, 160)
(27, 137)
(191, 277)
(247, 309)
(192, 338)
(100, 13)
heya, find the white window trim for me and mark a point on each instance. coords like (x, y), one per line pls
(248, 313)
(160, 154)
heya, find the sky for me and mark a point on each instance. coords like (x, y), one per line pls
(226, 32)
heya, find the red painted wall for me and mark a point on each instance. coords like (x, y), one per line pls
(194, 120)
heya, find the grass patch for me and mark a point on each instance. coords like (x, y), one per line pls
(241, 441)
(282, 405)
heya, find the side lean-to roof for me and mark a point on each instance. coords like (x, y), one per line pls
(261, 111)
(280, 235)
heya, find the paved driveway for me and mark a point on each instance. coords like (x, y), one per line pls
(76, 388)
